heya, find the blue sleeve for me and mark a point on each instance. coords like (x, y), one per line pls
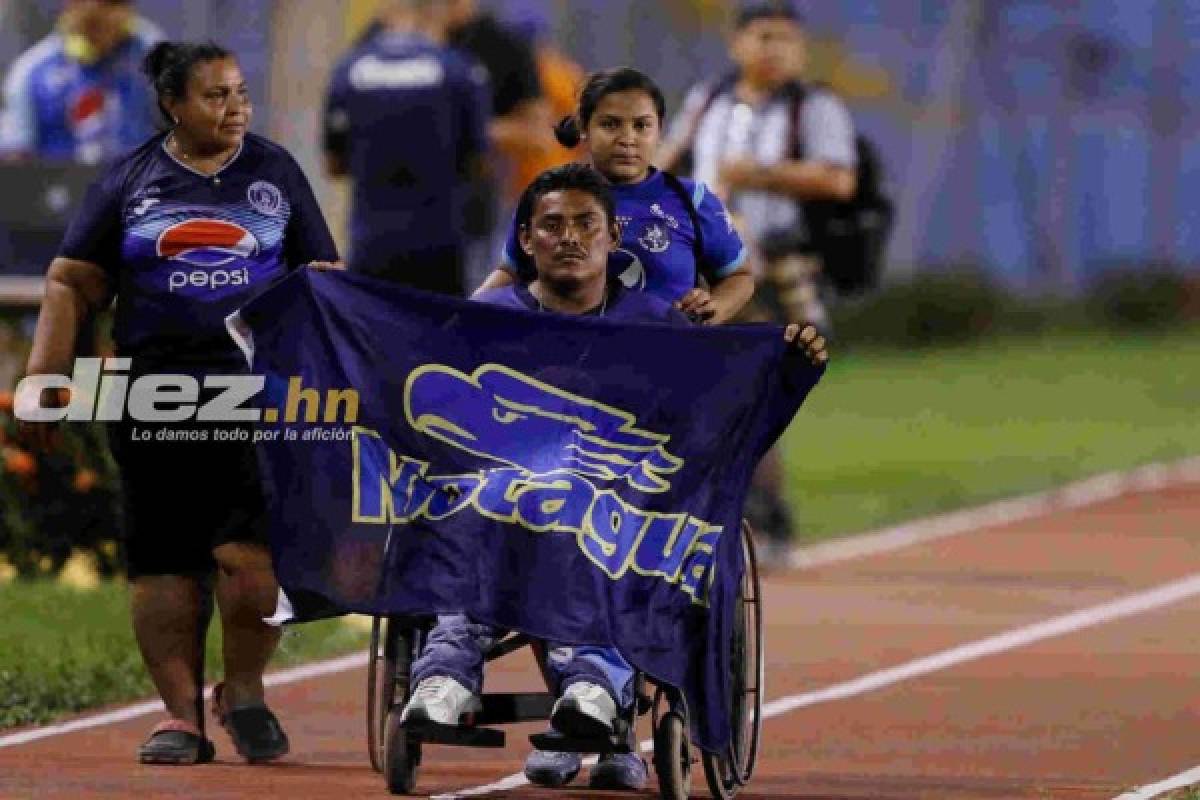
(307, 236)
(724, 251)
(18, 116)
(514, 259)
(95, 232)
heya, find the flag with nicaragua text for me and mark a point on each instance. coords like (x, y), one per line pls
(574, 479)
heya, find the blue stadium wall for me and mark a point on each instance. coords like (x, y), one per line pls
(1044, 141)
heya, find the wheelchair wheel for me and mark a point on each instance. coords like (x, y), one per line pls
(673, 757)
(727, 773)
(394, 646)
(402, 756)
(380, 693)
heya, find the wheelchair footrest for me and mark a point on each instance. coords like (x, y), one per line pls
(455, 735)
(500, 708)
(556, 742)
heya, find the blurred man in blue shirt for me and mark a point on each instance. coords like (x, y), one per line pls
(78, 94)
(406, 120)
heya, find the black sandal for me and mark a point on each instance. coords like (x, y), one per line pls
(176, 742)
(255, 731)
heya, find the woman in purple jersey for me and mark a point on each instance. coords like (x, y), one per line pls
(672, 230)
(182, 231)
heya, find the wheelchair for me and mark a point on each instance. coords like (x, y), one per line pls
(395, 751)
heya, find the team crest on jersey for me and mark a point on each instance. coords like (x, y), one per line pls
(266, 198)
(655, 238)
(657, 211)
(206, 242)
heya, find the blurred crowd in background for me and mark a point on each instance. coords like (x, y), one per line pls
(1043, 142)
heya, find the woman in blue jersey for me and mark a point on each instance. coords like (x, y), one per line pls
(672, 230)
(182, 231)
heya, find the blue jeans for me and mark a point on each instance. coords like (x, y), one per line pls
(456, 646)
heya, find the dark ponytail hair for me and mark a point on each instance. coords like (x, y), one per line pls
(569, 131)
(168, 65)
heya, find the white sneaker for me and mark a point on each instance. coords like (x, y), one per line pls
(440, 699)
(585, 711)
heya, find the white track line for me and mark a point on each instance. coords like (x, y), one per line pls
(1089, 491)
(1149, 600)
(1152, 790)
(280, 678)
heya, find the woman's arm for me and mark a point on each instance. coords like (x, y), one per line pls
(75, 291)
(722, 302)
(730, 294)
(306, 238)
(723, 262)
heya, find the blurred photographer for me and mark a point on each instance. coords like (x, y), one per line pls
(770, 145)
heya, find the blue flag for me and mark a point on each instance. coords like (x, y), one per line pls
(574, 479)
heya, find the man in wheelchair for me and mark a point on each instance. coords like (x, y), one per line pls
(568, 227)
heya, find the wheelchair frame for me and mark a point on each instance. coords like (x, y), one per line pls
(396, 751)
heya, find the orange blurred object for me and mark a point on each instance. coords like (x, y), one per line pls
(86, 480)
(18, 461)
(6, 402)
(561, 80)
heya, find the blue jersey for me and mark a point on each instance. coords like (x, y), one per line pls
(60, 109)
(184, 250)
(658, 240)
(621, 304)
(407, 117)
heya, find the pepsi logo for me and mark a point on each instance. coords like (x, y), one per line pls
(86, 107)
(206, 242)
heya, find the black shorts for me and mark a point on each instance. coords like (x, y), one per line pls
(184, 495)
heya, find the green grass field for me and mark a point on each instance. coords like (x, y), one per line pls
(1191, 793)
(887, 436)
(891, 436)
(69, 649)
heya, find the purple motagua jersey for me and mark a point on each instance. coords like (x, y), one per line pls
(621, 305)
(184, 249)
